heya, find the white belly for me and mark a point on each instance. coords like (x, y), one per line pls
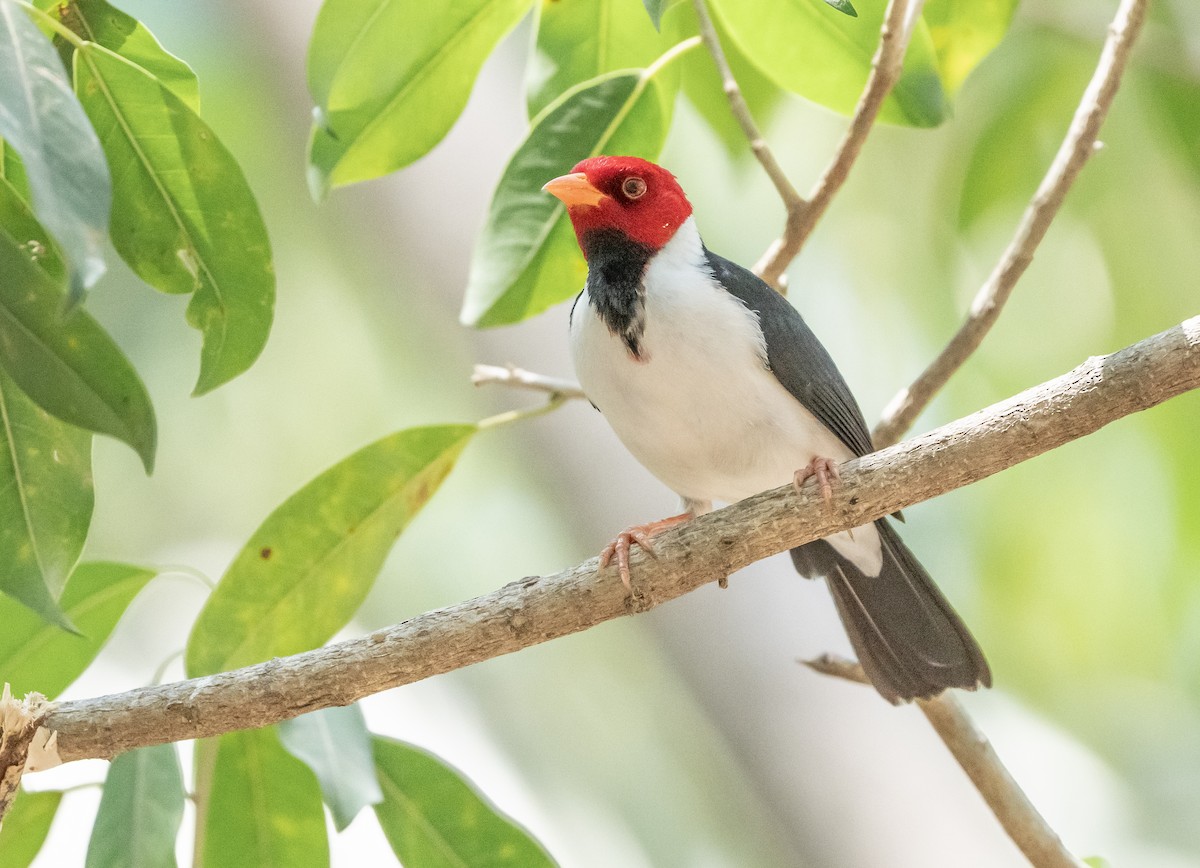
(701, 410)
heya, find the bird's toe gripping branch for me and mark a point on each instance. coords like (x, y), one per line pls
(826, 472)
(642, 534)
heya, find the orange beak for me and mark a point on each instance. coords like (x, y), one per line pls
(574, 189)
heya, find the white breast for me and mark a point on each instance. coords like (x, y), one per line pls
(701, 410)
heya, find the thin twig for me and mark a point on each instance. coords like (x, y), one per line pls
(537, 609)
(741, 111)
(1020, 819)
(899, 23)
(523, 379)
(1077, 147)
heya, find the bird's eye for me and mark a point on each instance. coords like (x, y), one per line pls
(633, 188)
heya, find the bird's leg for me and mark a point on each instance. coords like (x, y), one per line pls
(640, 534)
(826, 472)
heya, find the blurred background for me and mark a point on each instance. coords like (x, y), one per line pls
(690, 736)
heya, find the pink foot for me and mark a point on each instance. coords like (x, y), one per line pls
(640, 534)
(826, 472)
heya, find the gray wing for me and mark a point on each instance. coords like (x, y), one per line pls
(796, 357)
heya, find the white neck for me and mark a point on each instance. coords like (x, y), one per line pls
(684, 251)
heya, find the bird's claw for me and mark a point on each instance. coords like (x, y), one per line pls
(620, 546)
(641, 534)
(826, 472)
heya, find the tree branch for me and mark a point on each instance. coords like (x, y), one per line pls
(1026, 827)
(1077, 147)
(792, 200)
(510, 375)
(537, 609)
(899, 22)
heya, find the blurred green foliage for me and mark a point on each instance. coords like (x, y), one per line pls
(306, 570)
(335, 744)
(140, 811)
(26, 826)
(390, 79)
(807, 49)
(65, 166)
(1077, 570)
(424, 830)
(36, 655)
(263, 805)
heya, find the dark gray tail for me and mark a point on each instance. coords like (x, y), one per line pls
(909, 641)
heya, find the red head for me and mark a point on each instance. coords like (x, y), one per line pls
(638, 198)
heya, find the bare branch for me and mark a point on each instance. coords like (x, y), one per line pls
(1020, 819)
(741, 111)
(1026, 827)
(537, 609)
(899, 22)
(523, 379)
(1077, 147)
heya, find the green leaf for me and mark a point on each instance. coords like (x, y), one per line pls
(45, 503)
(140, 810)
(964, 32)
(827, 58)
(577, 41)
(264, 808)
(527, 258)
(37, 656)
(184, 217)
(25, 827)
(391, 78)
(844, 6)
(18, 220)
(335, 744)
(1097, 862)
(97, 21)
(434, 818)
(1172, 98)
(12, 170)
(41, 119)
(655, 9)
(307, 568)
(64, 361)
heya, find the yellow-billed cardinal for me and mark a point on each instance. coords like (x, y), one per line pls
(715, 383)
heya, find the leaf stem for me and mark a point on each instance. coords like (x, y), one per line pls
(161, 671)
(675, 51)
(190, 573)
(556, 400)
(660, 63)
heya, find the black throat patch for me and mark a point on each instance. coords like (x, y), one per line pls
(616, 266)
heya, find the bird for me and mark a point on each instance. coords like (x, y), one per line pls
(716, 384)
